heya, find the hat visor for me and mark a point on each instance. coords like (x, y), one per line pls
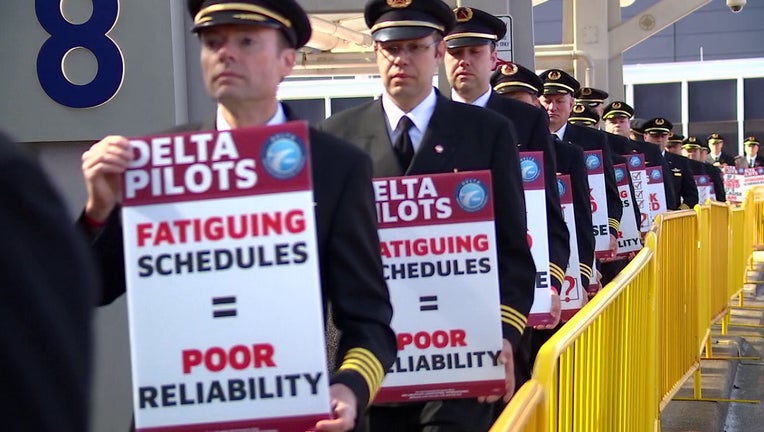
(553, 90)
(401, 33)
(232, 18)
(467, 41)
(515, 88)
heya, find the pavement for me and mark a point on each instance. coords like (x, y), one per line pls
(739, 379)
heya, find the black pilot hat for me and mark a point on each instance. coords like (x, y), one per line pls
(675, 139)
(512, 77)
(557, 81)
(657, 126)
(714, 137)
(474, 27)
(750, 140)
(391, 20)
(691, 143)
(582, 114)
(617, 109)
(285, 15)
(591, 96)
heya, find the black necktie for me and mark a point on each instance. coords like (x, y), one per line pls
(404, 149)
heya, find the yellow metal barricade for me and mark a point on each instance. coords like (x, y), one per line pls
(677, 291)
(719, 216)
(599, 371)
(704, 274)
(737, 246)
(525, 412)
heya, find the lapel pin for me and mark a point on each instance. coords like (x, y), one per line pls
(438, 149)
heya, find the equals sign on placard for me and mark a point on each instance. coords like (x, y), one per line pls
(223, 307)
(428, 303)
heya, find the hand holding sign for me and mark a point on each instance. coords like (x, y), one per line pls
(102, 166)
(343, 410)
(506, 358)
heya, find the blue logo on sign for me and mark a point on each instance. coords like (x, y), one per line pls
(284, 155)
(592, 162)
(530, 169)
(619, 175)
(560, 187)
(634, 161)
(471, 195)
(702, 180)
(655, 175)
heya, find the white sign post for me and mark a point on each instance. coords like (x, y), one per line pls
(504, 45)
(638, 172)
(656, 192)
(220, 244)
(439, 258)
(534, 189)
(629, 237)
(572, 295)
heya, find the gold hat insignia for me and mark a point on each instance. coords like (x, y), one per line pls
(616, 105)
(463, 14)
(715, 136)
(554, 75)
(660, 122)
(399, 4)
(509, 69)
(586, 91)
(578, 109)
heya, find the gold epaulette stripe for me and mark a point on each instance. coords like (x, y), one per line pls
(513, 318)
(470, 35)
(406, 23)
(367, 365)
(243, 7)
(556, 272)
(514, 84)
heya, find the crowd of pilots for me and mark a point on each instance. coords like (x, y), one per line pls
(495, 111)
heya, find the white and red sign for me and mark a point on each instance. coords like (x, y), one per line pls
(638, 172)
(705, 188)
(439, 258)
(656, 192)
(734, 183)
(572, 295)
(220, 244)
(629, 236)
(532, 170)
(595, 169)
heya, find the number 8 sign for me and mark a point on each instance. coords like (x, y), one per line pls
(91, 35)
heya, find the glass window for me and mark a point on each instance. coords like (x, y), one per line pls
(712, 100)
(339, 104)
(658, 100)
(753, 89)
(312, 110)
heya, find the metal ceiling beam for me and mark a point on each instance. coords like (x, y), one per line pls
(654, 19)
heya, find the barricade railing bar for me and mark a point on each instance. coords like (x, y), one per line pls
(620, 360)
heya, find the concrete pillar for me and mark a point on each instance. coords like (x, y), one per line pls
(590, 36)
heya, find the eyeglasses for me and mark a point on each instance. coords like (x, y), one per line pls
(657, 133)
(413, 49)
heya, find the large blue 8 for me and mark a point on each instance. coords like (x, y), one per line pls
(65, 36)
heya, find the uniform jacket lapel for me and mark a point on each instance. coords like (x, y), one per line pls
(436, 151)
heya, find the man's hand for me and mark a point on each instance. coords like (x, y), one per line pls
(343, 410)
(613, 246)
(594, 289)
(508, 360)
(102, 166)
(555, 311)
